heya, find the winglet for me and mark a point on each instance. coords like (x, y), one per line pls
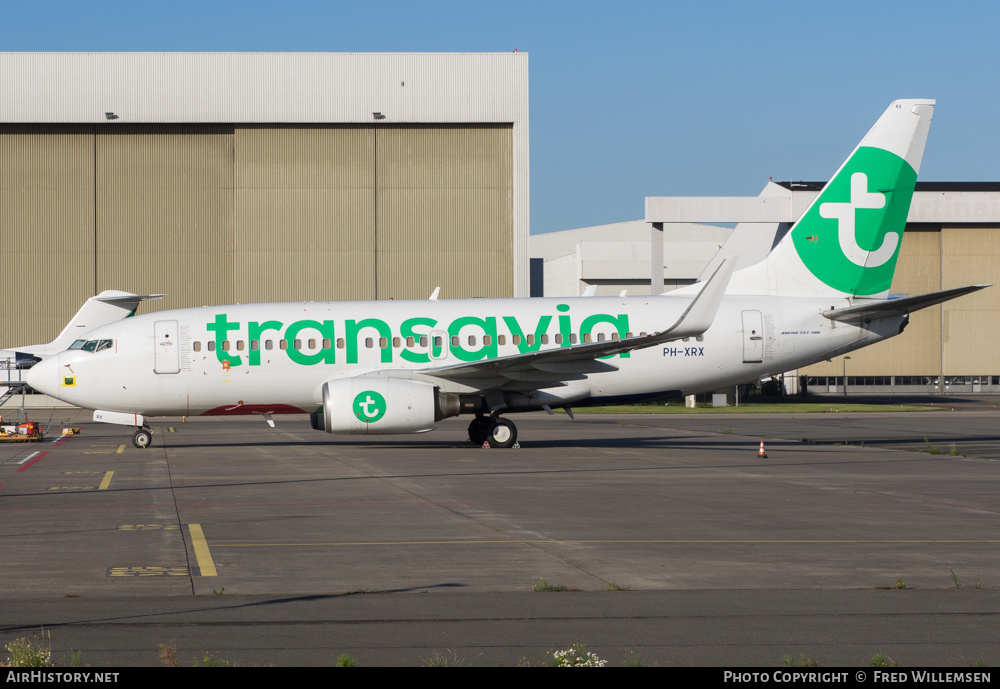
(435, 293)
(700, 313)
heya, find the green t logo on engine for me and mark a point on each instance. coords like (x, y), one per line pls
(369, 406)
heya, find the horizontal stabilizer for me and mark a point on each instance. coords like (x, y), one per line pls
(865, 313)
(123, 299)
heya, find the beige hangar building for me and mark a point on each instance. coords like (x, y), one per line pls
(245, 177)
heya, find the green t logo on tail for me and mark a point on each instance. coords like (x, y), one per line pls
(849, 238)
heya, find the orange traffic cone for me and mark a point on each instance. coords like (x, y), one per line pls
(762, 454)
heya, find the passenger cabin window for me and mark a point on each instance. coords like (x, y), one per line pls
(197, 346)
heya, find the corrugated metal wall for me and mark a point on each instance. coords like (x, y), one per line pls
(165, 212)
(47, 228)
(305, 213)
(444, 212)
(957, 338)
(971, 325)
(214, 214)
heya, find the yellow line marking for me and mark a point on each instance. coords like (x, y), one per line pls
(201, 552)
(147, 572)
(107, 480)
(651, 541)
(121, 449)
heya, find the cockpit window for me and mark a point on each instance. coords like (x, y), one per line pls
(92, 345)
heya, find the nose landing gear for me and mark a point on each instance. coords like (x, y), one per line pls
(143, 437)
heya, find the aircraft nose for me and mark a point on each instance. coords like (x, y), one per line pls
(44, 376)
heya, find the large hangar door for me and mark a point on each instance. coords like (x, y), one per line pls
(47, 216)
(444, 209)
(305, 213)
(164, 200)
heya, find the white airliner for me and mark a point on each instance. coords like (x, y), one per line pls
(382, 367)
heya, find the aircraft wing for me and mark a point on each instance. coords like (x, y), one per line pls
(550, 367)
(866, 313)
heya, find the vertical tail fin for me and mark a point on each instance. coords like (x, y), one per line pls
(847, 241)
(107, 307)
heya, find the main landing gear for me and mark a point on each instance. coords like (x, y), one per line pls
(143, 437)
(494, 431)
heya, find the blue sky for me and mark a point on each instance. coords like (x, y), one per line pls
(629, 99)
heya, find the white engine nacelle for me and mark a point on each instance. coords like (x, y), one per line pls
(376, 405)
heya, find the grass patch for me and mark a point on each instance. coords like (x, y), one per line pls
(633, 660)
(931, 449)
(446, 658)
(33, 653)
(577, 656)
(803, 661)
(543, 585)
(752, 408)
(882, 660)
